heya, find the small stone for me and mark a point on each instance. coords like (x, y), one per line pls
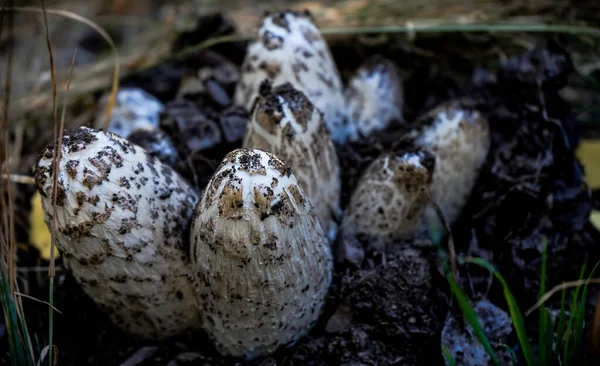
(217, 93)
(140, 356)
(340, 321)
(233, 123)
(157, 143)
(465, 348)
(189, 127)
(134, 108)
(187, 357)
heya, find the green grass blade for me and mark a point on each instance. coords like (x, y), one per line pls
(560, 332)
(515, 312)
(578, 329)
(448, 356)
(544, 352)
(546, 338)
(472, 318)
(572, 316)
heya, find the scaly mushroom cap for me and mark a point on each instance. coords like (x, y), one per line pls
(122, 222)
(262, 261)
(134, 108)
(285, 123)
(290, 48)
(388, 202)
(374, 97)
(458, 136)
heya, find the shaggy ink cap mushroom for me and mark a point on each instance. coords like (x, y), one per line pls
(374, 96)
(134, 108)
(285, 123)
(291, 49)
(458, 135)
(261, 259)
(390, 197)
(122, 221)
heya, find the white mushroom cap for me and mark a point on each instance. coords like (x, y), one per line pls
(291, 49)
(390, 197)
(122, 226)
(285, 123)
(262, 261)
(134, 108)
(459, 138)
(374, 97)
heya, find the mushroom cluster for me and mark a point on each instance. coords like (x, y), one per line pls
(249, 258)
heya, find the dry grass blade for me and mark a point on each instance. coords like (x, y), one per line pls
(557, 288)
(444, 223)
(16, 178)
(97, 28)
(37, 300)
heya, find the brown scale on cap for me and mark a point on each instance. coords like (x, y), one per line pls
(390, 197)
(263, 266)
(123, 222)
(286, 123)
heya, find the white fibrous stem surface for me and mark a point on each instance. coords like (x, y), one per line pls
(262, 261)
(134, 108)
(291, 49)
(459, 138)
(374, 97)
(286, 123)
(122, 220)
(390, 197)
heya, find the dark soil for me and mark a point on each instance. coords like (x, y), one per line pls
(383, 309)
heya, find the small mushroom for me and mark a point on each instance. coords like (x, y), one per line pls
(388, 202)
(262, 261)
(122, 221)
(285, 123)
(134, 108)
(290, 48)
(458, 135)
(374, 97)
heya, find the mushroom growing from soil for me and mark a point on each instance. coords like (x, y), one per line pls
(390, 197)
(262, 261)
(285, 123)
(374, 96)
(122, 220)
(291, 49)
(458, 136)
(134, 108)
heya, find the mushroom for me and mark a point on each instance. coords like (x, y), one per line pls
(262, 261)
(374, 97)
(458, 135)
(285, 123)
(390, 197)
(290, 48)
(134, 108)
(122, 220)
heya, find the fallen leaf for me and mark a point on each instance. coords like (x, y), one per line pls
(595, 219)
(39, 234)
(588, 153)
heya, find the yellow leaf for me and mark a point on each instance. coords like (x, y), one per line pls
(588, 154)
(39, 234)
(595, 219)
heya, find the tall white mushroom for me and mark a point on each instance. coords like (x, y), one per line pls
(458, 136)
(122, 221)
(388, 203)
(285, 123)
(290, 48)
(262, 261)
(375, 97)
